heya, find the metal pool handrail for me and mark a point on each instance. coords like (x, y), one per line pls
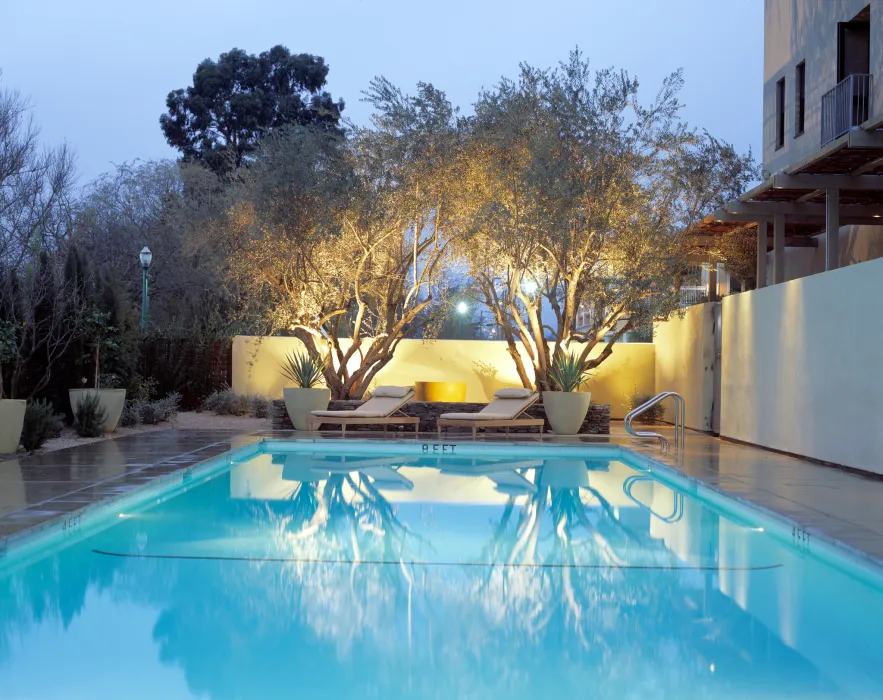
(680, 417)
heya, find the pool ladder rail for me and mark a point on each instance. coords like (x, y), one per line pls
(680, 416)
(678, 508)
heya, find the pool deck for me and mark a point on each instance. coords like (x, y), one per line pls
(837, 505)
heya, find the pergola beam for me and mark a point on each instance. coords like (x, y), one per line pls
(859, 138)
(790, 241)
(865, 183)
(801, 210)
(723, 216)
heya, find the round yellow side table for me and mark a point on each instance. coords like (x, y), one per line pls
(449, 392)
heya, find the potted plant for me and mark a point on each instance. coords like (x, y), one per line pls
(100, 336)
(12, 411)
(567, 407)
(306, 395)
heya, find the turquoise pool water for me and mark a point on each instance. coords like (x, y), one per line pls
(297, 570)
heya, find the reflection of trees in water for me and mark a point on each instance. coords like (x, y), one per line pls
(265, 629)
(51, 589)
(438, 631)
(569, 586)
(292, 624)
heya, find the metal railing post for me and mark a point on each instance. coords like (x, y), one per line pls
(680, 420)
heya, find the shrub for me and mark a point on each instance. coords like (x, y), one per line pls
(654, 414)
(228, 403)
(260, 406)
(153, 412)
(41, 423)
(142, 389)
(129, 417)
(89, 416)
(143, 412)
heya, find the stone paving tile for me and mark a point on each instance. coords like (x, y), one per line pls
(39, 488)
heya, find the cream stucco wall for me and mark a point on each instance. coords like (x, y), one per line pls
(806, 30)
(685, 363)
(484, 365)
(802, 367)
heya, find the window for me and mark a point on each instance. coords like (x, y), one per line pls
(799, 99)
(853, 48)
(780, 113)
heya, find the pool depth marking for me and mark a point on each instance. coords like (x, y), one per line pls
(433, 447)
(379, 562)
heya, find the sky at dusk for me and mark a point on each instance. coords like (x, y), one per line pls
(98, 71)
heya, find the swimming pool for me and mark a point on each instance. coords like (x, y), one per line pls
(390, 570)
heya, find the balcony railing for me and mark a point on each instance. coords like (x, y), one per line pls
(846, 106)
(693, 295)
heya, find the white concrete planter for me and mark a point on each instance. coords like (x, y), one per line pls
(111, 400)
(300, 402)
(566, 410)
(12, 417)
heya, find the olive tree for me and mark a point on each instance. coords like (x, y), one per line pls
(577, 198)
(341, 241)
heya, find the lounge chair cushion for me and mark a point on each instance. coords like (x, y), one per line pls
(350, 414)
(483, 415)
(513, 393)
(391, 392)
(375, 407)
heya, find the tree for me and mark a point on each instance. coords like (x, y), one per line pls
(341, 242)
(737, 250)
(578, 196)
(38, 311)
(35, 185)
(169, 207)
(41, 315)
(238, 99)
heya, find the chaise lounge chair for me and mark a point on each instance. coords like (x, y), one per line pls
(380, 409)
(502, 412)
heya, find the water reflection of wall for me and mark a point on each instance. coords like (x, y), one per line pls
(804, 601)
(807, 603)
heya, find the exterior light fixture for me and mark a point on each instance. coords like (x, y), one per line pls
(530, 286)
(146, 257)
(462, 307)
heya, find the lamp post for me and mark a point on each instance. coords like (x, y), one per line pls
(146, 257)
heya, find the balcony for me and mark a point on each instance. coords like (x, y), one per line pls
(846, 106)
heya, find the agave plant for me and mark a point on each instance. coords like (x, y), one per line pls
(568, 372)
(303, 370)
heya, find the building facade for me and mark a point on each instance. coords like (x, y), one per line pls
(810, 48)
(820, 205)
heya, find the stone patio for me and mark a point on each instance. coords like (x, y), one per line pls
(834, 504)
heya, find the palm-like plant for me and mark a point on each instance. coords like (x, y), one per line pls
(568, 372)
(302, 369)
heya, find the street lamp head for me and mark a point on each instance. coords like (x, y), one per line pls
(146, 257)
(462, 307)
